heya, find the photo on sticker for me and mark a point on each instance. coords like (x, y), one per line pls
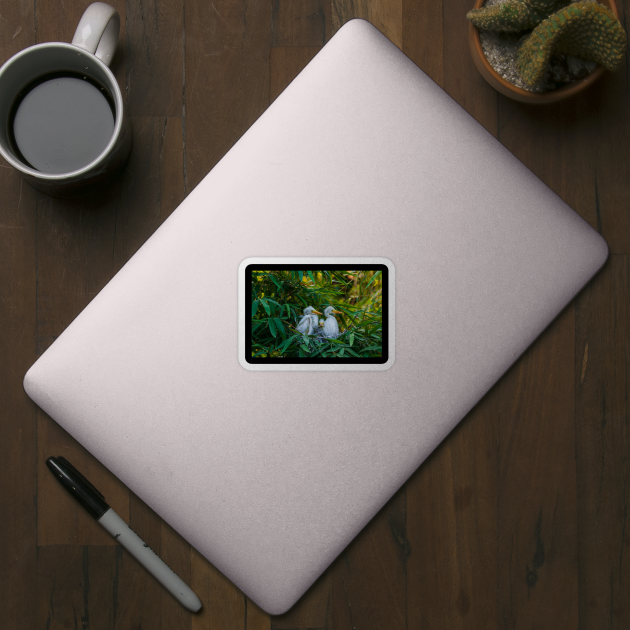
(317, 314)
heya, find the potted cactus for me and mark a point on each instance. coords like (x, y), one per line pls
(558, 49)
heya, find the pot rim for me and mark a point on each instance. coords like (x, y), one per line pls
(512, 91)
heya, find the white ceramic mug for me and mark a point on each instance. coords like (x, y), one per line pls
(88, 57)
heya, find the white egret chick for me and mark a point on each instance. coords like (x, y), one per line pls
(308, 324)
(331, 327)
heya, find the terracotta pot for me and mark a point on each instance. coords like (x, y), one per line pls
(518, 94)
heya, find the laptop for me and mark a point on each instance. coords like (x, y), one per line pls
(267, 455)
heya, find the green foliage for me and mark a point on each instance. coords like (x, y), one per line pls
(279, 298)
(513, 16)
(584, 29)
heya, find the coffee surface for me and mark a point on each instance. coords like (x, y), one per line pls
(62, 124)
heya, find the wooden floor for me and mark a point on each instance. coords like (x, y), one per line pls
(518, 520)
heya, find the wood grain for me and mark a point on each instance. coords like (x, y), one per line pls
(422, 36)
(154, 57)
(224, 606)
(369, 577)
(285, 64)
(537, 509)
(76, 587)
(386, 15)
(146, 602)
(461, 79)
(57, 22)
(300, 22)
(313, 609)
(226, 78)
(517, 520)
(61, 521)
(602, 380)
(452, 517)
(18, 416)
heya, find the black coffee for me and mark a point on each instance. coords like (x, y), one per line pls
(61, 123)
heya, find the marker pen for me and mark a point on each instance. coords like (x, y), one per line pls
(94, 502)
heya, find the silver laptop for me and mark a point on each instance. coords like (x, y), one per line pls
(269, 459)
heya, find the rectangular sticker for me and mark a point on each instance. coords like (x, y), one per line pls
(316, 313)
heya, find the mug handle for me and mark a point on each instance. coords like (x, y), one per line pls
(98, 30)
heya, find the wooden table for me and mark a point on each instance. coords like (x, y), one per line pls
(518, 520)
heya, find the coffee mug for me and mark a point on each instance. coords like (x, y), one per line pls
(62, 114)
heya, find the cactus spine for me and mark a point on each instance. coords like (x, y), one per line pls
(583, 29)
(513, 16)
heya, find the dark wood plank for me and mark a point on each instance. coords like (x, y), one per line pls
(300, 22)
(226, 78)
(369, 577)
(18, 415)
(422, 36)
(152, 185)
(224, 606)
(285, 64)
(537, 537)
(608, 126)
(18, 423)
(603, 443)
(76, 587)
(575, 149)
(386, 15)
(312, 611)
(17, 28)
(461, 78)
(57, 23)
(154, 57)
(142, 600)
(452, 527)
(558, 147)
(61, 520)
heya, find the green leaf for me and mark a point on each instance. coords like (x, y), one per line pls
(300, 275)
(376, 275)
(265, 306)
(305, 348)
(280, 326)
(254, 307)
(341, 352)
(286, 344)
(274, 302)
(310, 275)
(351, 338)
(276, 282)
(347, 314)
(272, 327)
(352, 352)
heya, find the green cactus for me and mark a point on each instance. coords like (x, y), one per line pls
(513, 16)
(584, 29)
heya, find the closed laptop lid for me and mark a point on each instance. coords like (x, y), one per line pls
(270, 470)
